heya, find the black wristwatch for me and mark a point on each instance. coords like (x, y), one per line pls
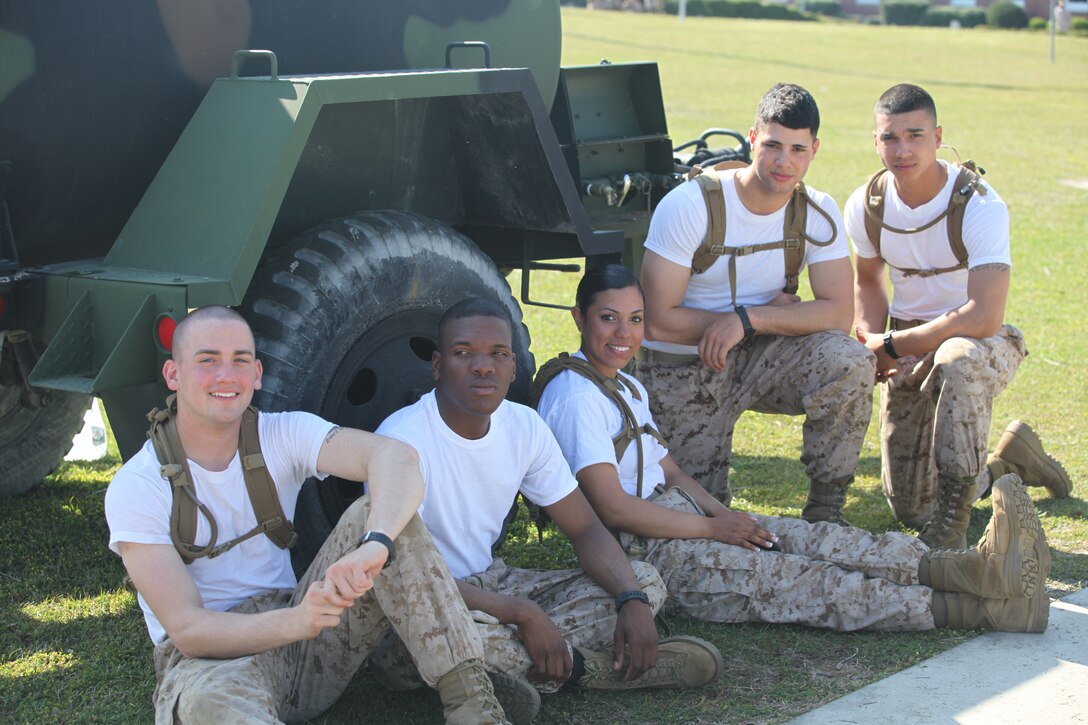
(631, 595)
(744, 321)
(889, 346)
(384, 541)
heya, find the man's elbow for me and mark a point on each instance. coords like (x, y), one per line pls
(403, 453)
(185, 641)
(612, 518)
(988, 327)
(984, 321)
(654, 328)
(842, 317)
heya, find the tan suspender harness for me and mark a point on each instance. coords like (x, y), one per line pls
(968, 181)
(263, 496)
(632, 431)
(793, 234)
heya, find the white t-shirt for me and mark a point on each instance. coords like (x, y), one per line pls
(585, 420)
(138, 503)
(679, 225)
(985, 234)
(471, 484)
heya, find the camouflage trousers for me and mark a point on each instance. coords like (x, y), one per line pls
(582, 610)
(824, 575)
(416, 595)
(825, 376)
(935, 417)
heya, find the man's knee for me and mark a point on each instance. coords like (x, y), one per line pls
(841, 357)
(858, 360)
(961, 362)
(358, 511)
(956, 351)
(651, 583)
(224, 694)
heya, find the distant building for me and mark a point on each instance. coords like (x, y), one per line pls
(1034, 8)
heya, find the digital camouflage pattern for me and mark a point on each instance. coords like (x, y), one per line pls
(584, 613)
(416, 595)
(825, 376)
(935, 417)
(825, 575)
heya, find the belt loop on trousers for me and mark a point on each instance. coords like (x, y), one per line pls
(673, 358)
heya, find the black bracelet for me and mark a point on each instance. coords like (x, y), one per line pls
(889, 347)
(629, 595)
(746, 323)
(384, 541)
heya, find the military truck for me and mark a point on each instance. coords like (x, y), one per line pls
(341, 170)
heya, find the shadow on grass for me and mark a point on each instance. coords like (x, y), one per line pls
(105, 659)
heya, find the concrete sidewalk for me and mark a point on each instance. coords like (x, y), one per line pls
(995, 678)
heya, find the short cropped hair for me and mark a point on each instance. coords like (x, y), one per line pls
(791, 106)
(905, 98)
(211, 312)
(601, 279)
(472, 307)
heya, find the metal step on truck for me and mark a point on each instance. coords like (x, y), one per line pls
(357, 168)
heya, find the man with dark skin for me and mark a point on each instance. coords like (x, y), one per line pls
(591, 628)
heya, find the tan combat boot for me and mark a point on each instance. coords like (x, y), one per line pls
(948, 527)
(1021, 452)
(520, 701)
(963, 611)
(681, 662)
(1011, 560)
(468, 697)
(825, 501)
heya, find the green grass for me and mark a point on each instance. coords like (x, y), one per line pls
(73, 646)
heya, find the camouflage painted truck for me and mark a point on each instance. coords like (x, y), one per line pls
(369, 164)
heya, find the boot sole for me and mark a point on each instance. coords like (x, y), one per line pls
(1058, 484)
(519, 700)
(1039, 550)
(1026, 553)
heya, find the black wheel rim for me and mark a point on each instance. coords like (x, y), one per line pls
(387, 368)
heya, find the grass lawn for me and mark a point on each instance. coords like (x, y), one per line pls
(73, 646)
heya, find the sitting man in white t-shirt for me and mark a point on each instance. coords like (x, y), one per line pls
(477, 451)
(730, 338)
(237, 639)
(947, 352)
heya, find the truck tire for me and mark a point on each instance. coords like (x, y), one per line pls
(34, 440)
(345, 319)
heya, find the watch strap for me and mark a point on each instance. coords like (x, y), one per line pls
(889, 345)
(631, 595)
(745, 322)
(382, 539)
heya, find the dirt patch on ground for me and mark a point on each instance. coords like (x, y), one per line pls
(1075, 183)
